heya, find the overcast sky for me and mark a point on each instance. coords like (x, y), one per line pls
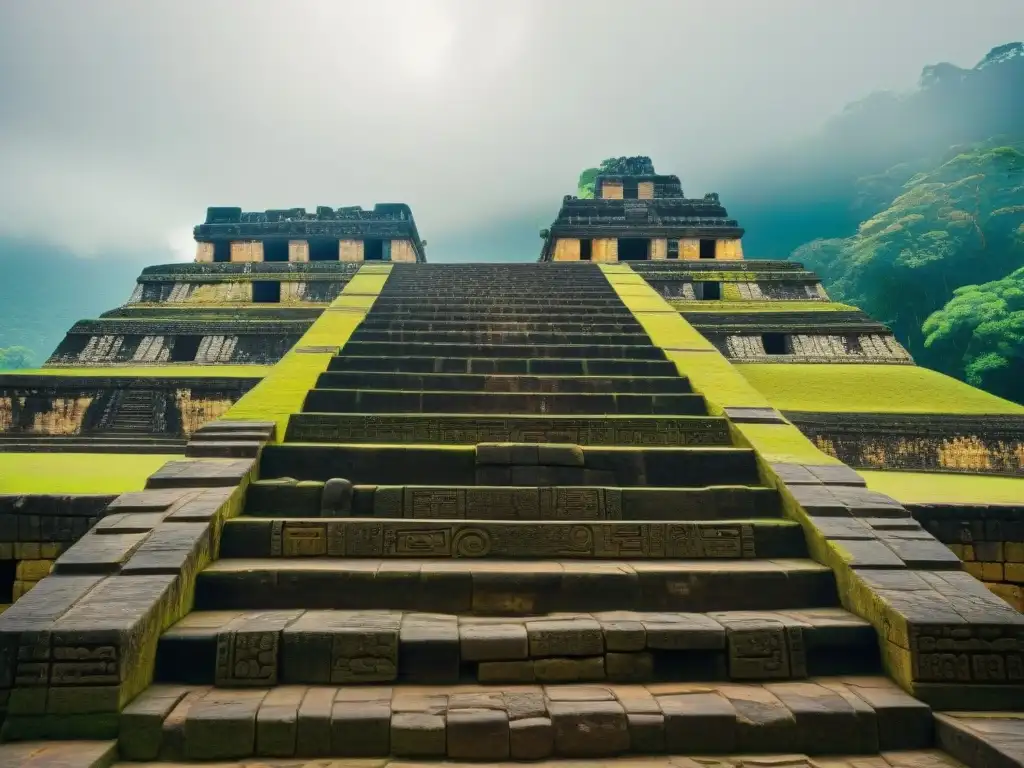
(120, 120)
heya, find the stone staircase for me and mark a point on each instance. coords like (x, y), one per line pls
(543, 547)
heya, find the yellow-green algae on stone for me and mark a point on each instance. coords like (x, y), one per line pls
(946, 487)
(73, 473)
(866, 388)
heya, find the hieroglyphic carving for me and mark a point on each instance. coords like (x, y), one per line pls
(436, 503)
(304, 540)
(397, 428)
(502, 504)
(690, 540)
(364, 540)
(757, 651)
(417, 542)
(364, 654)
(471, 542)
(247, 658)
(336, 538)
(82, 664)
(966, 654)
(630, 541)
(276, 538)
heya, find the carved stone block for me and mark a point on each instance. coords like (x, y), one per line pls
(247, 658)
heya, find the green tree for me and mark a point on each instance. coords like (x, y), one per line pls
(960, 222)
(15, 357)
(981, 330)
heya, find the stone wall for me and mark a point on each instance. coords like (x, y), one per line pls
(918, 442)
(58, 407)
(246, 250)
(989, 539)
(34, 531)
(566, 249)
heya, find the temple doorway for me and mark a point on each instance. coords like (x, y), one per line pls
(323, 249)
(275, 250)
(634, 248)
(707, 249)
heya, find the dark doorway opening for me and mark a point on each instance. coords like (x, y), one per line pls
(630, 189)
(709, 291)
(707, 249)
(266, 292)
(8, 572)
(323, 249)
(222, 250)
(185, 348)
(634, 248)
(673, 249)
(275, 250)
(373, 250)
(774, 343)
(586, 250)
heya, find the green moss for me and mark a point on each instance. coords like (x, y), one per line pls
(869, 389)
(946, 488)
(782, 443)
(153, 371)
(72, 473)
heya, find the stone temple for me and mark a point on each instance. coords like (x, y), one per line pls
(648, 501)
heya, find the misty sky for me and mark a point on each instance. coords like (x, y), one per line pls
(120, 120)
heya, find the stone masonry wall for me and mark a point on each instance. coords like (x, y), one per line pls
(34, 531)
(989, 540)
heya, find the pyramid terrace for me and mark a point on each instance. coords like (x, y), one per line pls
(313, 499)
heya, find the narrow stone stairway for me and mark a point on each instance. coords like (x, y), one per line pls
(504, 528)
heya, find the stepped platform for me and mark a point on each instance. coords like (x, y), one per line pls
(495, 525)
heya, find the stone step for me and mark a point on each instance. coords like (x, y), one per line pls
(489, 336)
(380, 461)
(514, 587)
(536, 298)
(291, 498)
(511, 539)
(539, 307)
(444, 313)
(561, 351)
(493, 365)
(499, 403)
(309, 647)
(566, 326)
(463, 382)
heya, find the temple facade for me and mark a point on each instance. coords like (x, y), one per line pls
(673, 505)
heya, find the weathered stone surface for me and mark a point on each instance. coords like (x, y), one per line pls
(532, 738)
(277, 721)
(222, 726)
(589, 728)
(142, 721)
(417, 734)
(360, 729)
(478, 734)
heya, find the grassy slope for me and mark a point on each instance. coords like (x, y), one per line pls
(77, 472)
(949, 488)
(869, 388)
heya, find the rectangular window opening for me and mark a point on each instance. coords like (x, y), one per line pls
(266, 292)
(630, 189)
(373, 250)
(185, 348)
(710, 291)
(673, 249)
(586, 250)
(222, 250)
(8, 572)
(707, 249)
(323, 249)
(634, 248)
(275, 250)
(774, 343)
